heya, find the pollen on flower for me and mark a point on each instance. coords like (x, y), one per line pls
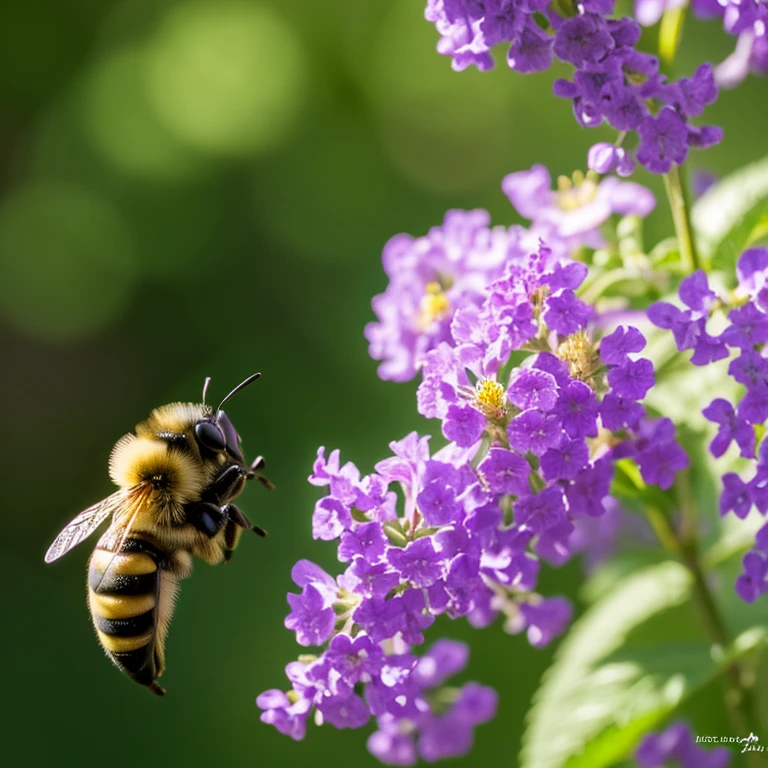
(580, 354)
(576, 192)
(434, 305)
(490, 398)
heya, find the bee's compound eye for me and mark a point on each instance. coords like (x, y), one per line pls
(210, 436)
(233, 442)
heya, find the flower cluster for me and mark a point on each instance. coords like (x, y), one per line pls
(747, 20)
(569, 412)
(676, 746)
(537, 407)
(433, 277)
(613, 82)
(417, 715)
(745, 340)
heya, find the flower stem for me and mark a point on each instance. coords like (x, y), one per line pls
(683, 544)
(678, 203)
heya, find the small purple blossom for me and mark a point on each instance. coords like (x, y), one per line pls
(546, 620)
(663, 141)
(505, 472)
(617, 346)
(676, 743)
(533, 388)
(633, 379)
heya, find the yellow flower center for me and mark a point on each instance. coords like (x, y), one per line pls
(577, 350)
(490, 398)
(434, 305)
(573, 193)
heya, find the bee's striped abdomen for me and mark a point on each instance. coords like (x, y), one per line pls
(124, 592)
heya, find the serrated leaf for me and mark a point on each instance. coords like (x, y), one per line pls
(585, 691)
(731, 214)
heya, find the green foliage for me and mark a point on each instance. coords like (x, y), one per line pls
(733, 215)
(626, 665)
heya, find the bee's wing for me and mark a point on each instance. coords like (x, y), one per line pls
(83, 526)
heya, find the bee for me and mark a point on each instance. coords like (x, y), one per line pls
(177, 477)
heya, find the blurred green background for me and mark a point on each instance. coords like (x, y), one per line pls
(204, 188)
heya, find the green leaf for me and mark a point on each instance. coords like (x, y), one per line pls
(733, 215)
(634, 657)
(623, 667)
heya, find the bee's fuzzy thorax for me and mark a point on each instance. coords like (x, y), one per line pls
(175, 417)
(176, 475)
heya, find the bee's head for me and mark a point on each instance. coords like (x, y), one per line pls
(215, 433)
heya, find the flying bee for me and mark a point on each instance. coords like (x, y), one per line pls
(177, 477)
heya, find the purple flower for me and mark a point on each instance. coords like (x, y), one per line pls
(663, 141)
(392, 747)
(565, 313)
(735, 497)
(698, 91)
(752, 272)
(531, 51)
(566, 461)
(354, 659)
(418, 563)
(463, 425)
(546, 620)
(658, 750)
(696, 294)
(542, 511)
(573, 214)
(311, 617)
(749, 326)
(731, 428)
(505, 472)
(606, 158)
(617, 346)
(577, 407)
(633, 379)
(369, 579)
(753, 582)
(685, 327)
(366, 540)
(290, 719)
(533, 388)
(619, 412)
(534, 431)
(754, 406)
(750, 368)
(659, 463)
(443, 660)
(583, 39)
(330, 520)
(430, 277)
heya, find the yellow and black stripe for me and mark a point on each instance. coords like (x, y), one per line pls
(123, 594)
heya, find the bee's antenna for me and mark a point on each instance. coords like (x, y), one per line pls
(241, 385)
(206, 384)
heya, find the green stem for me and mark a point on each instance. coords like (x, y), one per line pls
(683, 544)
(680, 215)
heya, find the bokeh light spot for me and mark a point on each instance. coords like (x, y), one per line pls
(226, 77)
(122, 124)
(444, 130)
(66, 262)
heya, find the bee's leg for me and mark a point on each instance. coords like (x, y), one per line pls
(237, 516)
(227, 485)
(206, 517)
(232, 533)
(257, 464)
